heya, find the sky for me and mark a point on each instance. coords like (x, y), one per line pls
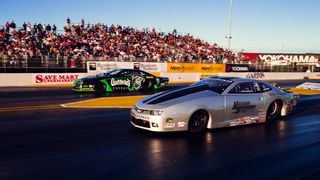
(265, 26)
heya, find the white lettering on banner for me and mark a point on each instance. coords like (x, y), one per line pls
(290, 58)
(39, 79)
(117, 82)
(237, 68)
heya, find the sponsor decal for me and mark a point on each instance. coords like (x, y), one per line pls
(237, 68)
(107, 66)
(255, 75)
(169, 125)
(283, 59)
(242, 107)
(152, 67)
(181, 124)
(169, 120)
(141, 117)
(233, 123)
(119, 82)
(195, 68)
(240, 121)
(247, 120)
(137, 82)
(39, 79)
(212, 68)
(262, 117)
(299, 58)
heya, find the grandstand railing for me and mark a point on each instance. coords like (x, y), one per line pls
(47, 64)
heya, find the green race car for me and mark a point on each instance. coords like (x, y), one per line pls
(119, 80)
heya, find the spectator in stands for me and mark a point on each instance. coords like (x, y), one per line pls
(108, 42)
(13, 25)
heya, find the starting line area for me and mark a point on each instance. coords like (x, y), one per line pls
(106, 102)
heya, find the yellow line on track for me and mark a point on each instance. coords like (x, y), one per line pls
(106, 102)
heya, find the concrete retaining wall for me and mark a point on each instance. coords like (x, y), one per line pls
(66, 79)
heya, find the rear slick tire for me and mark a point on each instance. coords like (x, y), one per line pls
(274, 110)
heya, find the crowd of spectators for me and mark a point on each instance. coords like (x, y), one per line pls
(113, 42)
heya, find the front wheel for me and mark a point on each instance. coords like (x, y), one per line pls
(274, 110)
(198, 121)
(99, 88)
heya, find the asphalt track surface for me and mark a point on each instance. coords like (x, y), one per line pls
(41, 140)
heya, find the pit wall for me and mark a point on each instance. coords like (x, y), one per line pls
(66, 79)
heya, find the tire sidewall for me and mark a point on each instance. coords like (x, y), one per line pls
(277, 113)
(193, 129)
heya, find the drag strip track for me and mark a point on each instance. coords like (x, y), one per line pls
(58, 143)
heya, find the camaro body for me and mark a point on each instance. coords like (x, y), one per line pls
(228, 102)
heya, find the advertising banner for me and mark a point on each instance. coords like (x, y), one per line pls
(195, 68)
(104, 66)
(281, 59)
(211, 68)
(279, 63)
(39, 79)
(150, 67)
(237, 68)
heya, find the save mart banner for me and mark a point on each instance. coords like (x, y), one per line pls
(195, 68)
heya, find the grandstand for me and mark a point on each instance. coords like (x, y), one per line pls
(41, 47)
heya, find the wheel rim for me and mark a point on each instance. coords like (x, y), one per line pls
(274, 108)
(199, 120)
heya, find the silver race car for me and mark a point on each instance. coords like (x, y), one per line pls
(212, 103)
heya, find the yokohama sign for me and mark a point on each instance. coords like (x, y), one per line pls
(290, 58)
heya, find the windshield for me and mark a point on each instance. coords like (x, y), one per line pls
(214, 84)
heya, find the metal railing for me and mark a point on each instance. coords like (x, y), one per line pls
(47, 64)
(42, 64)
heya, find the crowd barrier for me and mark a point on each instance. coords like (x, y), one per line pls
(66, 79)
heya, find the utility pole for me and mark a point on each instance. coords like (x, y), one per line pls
(230, 26)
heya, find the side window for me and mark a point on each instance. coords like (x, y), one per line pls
(243, 88)
(256, 87)
(265, 88)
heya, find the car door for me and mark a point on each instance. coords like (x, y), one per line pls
(121, 81)
(243, 104)
(138, 80)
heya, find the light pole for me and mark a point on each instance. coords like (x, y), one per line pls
(230, 26)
